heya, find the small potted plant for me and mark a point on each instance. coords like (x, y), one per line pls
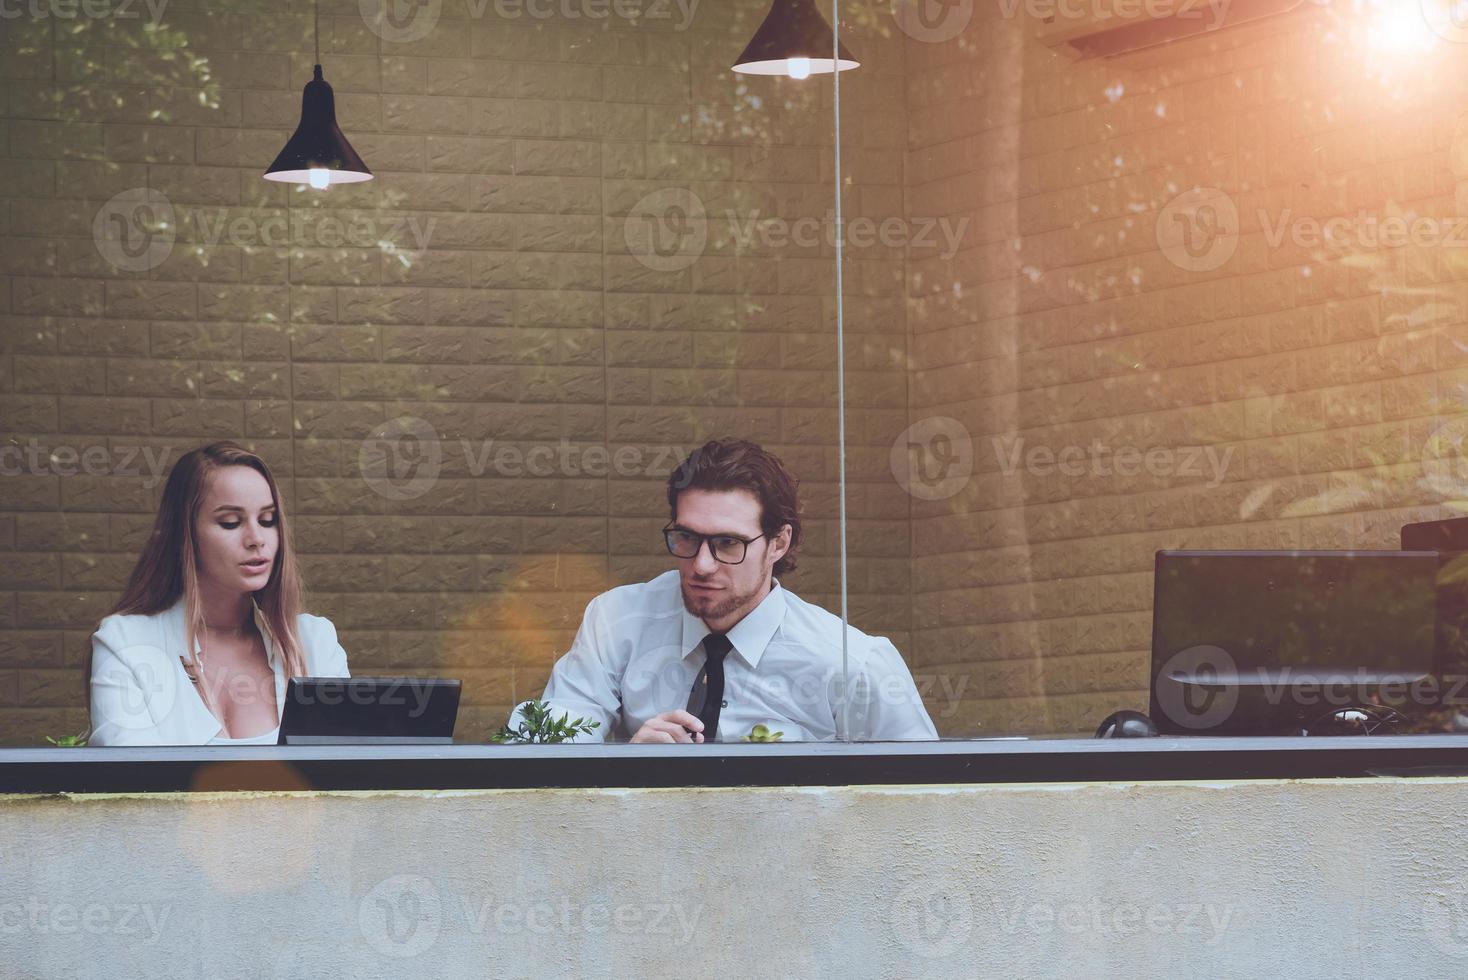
(538, 727)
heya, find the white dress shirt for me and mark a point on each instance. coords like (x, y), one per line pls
(141, 694)
(639, 651)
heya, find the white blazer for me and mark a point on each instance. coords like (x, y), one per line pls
(141, 694)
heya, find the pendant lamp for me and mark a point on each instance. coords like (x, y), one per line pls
(318, 154)
(794, 40)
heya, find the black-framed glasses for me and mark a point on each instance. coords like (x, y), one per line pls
(727, 548)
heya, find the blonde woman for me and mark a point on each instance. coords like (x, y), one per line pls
(208, 629)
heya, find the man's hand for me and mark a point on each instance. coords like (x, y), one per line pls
(670, 726)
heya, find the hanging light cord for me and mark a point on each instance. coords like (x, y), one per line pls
(840, 370)
(316, 28)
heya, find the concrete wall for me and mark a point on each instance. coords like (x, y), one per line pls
(1308, 879)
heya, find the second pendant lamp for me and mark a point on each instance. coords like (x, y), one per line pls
(796, 41)
(318, 153)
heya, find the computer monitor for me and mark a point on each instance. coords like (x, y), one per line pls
(1449, 539)
(1269, 642)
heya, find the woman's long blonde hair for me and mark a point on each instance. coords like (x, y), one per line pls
(168, 568)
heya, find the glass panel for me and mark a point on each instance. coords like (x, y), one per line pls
(471, 374)
(1159, 286)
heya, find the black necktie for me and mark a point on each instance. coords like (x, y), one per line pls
(708, 687)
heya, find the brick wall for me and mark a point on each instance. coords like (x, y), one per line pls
(481, 288)
(484, 287)
(1077, 312)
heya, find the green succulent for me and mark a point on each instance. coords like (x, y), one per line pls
(762, 733)
(69, 741)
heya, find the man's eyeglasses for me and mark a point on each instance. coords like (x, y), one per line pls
(727, 548)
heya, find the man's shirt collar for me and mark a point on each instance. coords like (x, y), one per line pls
(750, 636)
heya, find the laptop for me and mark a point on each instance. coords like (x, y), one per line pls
(369, 711)
(1268, 642)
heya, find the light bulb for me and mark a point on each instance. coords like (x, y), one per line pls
(799, 67)
(319, 178)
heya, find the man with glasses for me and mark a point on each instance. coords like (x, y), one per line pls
(717, 646)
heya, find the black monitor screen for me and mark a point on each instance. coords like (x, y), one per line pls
(1268, 642)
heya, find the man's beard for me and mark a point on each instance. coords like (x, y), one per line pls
(714, 608)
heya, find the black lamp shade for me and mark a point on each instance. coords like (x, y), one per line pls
(318, 153)
(794, 40)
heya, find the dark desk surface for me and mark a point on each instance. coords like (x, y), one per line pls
(449, 767)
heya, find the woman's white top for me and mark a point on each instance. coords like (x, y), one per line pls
(141, 694)
(265, 738)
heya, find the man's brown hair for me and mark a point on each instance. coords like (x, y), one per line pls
(737, 464)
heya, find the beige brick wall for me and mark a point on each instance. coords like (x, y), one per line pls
(482, 284)
(1325, 370)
